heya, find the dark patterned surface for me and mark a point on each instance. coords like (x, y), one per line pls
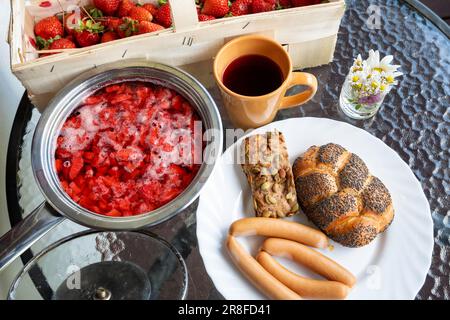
(414, 121)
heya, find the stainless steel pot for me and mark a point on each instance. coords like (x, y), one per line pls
(58, 204)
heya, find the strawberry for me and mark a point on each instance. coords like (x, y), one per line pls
(263, 5)
(48, 28)
(241, 7)
(163, 16)
(205, 17)
(216, 8)
(150, 8)
(127, 28)
(147, 26)
(140, 14)
(111, 23)
(108, 7)
(285, 3)
(109, 36)
(87, 33)
(71, 21)
(302, 3)
(76, 166)
(124, 7)
(86, 38)
(62, 43)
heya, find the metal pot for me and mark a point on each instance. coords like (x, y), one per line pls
(58, 204)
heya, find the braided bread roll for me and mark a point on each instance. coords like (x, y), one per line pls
(339, 195)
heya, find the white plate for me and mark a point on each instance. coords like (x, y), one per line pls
(393, 266)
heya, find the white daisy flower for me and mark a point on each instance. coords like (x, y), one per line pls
(373, 76)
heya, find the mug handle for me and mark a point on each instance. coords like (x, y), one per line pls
(303, 79)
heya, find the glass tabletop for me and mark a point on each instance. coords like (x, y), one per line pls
(414, 121)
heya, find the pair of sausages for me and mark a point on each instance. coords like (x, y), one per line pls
(288, 239)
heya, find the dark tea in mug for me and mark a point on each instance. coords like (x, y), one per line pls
(253, 75)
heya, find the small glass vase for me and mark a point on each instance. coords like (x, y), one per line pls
(359, 107)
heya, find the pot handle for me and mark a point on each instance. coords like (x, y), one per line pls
(27, 232)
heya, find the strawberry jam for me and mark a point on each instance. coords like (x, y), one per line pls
(128, 149)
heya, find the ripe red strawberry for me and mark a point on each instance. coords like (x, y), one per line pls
(87, 34)
(140, 14)
(216, 8)
(163, 16)
(62, 43)
(109, 36)
(205, 17)
(71, 22)
(111, 23)
(285, 3)
(263, 5)
(86, 38)
(147, 26)
(124, 7)
(150, 8)
(241, 7)
(108, 7)
(302, 3)
(56, 43)
(48, 28)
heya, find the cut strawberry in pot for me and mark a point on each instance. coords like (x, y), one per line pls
(77, 165)
(114, 213)
(122, 152)
(58, 165)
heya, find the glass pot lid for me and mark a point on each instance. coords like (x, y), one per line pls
(97, 265)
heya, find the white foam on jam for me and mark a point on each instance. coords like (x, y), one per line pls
(174, 143)
(106, 141)
(76, 139)
(89, 116)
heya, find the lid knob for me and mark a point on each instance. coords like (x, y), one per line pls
(102, 294)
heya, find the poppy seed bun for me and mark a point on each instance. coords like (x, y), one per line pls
(338, 194)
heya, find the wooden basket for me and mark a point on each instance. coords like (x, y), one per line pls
(308, 33)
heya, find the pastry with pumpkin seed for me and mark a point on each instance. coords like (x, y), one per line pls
(265, 162)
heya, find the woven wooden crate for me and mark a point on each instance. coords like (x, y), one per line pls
(308, 33)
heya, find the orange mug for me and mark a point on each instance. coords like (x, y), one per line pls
(254, 111)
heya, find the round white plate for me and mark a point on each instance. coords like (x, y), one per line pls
(393, 266)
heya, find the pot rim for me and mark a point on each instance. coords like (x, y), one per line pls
(69, 98)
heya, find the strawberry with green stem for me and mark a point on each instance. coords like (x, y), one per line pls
(127, 28)
(111, 23)
(88, 33)
(71, 22)
(58, 43)
(163, 16)
(47, 30)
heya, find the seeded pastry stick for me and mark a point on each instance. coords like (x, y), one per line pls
(269, 174)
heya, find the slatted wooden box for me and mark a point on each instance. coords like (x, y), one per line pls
(309, 34)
